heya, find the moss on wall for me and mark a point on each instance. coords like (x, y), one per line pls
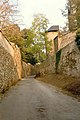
(58, 56)
(78, 38)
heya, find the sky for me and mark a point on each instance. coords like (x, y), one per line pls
(50, 8)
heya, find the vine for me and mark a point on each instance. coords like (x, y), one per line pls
(58, 56)
(77, 40)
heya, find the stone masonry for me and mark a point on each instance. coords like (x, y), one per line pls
(69, 62)
(10, 64)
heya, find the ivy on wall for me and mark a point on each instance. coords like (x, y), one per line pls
(78, 38)
(58, 56)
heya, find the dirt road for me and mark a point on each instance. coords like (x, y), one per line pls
(33, 100)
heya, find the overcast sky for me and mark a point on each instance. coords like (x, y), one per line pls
(50, 8)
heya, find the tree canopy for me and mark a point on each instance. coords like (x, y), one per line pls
(39, 27)
(36, 41)
(33, 42)
(72, 12)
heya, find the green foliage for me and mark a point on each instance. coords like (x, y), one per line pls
(12, 34)
(72, 13)
(58, 56)
(28, 57)
(32, 42)
(39, 26)
(78, 38)
(28, 35)
(31, 59)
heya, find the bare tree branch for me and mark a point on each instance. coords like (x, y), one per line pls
(7, 11)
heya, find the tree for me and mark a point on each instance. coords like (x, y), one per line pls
(39, 27)
(28, 35)
(72, 12)
(78, 13)
(35, 38)
(31, 59)
(28, 53)
(13, 34)
(7, 11)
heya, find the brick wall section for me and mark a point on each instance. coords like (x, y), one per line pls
(10, 63)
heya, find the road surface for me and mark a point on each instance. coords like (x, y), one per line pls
(34, 100)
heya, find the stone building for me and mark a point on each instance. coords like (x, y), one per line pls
(53, 36)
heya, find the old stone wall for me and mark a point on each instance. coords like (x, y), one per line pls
(67, 39)
(47, 67)
(28, 70)
(10, 64)
(67, 61)
(70, 60)
(17, 59)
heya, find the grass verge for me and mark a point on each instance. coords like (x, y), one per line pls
(67, 84)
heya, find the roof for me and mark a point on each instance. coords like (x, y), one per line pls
(53, 28)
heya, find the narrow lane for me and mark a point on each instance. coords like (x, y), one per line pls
(34, 100)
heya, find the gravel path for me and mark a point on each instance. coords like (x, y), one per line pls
(34, 100)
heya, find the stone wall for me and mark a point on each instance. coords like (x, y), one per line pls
(17, 59)
(70, 60)
(10, 64)
(67, 39)
(28, 70)
(48, 66)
